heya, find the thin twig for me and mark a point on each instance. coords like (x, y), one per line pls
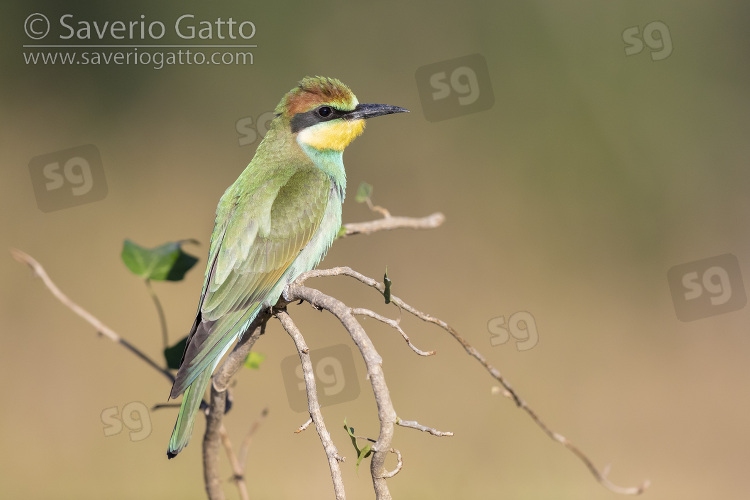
(238, 475)
(358, 311)
(245, 447)
(304, 426)
(413, 424)
(391, 222)
(399, 465)
(600, 476)
(100, 327)
(313, 405)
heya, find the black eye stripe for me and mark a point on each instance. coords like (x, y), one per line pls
(314, 116)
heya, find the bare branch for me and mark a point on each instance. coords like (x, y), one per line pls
(100, 327)
(373, 362)
(600, 476)
(390, 222)
(237, 468)
(245, 447)
(358, 311)
(304, 426)
(239, 461)
(211, 444)
(416, 425)
(313, 405)
(399, 465)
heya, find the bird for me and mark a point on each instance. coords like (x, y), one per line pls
(276, 221)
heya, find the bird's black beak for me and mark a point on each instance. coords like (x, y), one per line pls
(364, 111)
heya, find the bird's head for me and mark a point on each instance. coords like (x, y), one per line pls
(326, 114)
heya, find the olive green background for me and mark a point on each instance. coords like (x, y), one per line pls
(591, 176)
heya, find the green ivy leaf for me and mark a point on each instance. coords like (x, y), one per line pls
(254, 359)
(364, 191)
(361, 453)
(164, 263)
(387, 282)
(173, 354)
(350, 431)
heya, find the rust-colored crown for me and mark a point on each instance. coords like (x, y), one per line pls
(313, 92)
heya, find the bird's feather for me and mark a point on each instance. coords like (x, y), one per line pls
(249, 263)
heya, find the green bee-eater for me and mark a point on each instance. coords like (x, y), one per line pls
(275, 222)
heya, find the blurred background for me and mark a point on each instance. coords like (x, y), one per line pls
(590, 159)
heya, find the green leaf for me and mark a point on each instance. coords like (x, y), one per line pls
(342, 231)
(173, 354)
(164, 263)
(350, 431)
(364, 453)
(254, 359)
(364, 191)
(182, 265)
(361, 453)
(387, 282)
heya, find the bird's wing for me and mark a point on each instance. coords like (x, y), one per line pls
(263, 234)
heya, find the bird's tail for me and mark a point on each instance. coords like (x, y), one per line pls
(191, 402)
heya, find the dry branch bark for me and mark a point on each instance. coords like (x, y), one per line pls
(313, 405)
(394, 222)
(373, 363)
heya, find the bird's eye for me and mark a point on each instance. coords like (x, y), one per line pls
(324, 111)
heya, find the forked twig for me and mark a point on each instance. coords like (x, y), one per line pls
(313, 405)
(600, 476)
